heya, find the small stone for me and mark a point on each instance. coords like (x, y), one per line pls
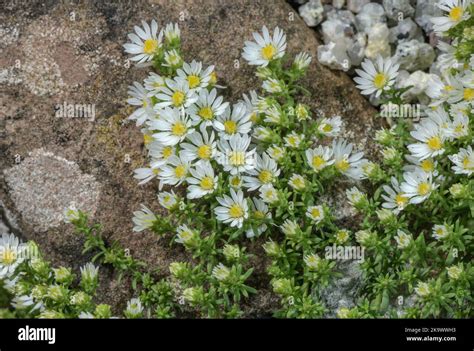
(336, 30)
(312, 12)
(405, 30)
(356, 49)
(338, 4)
(398, 10)
(334, 55)
(371, 14)
(344, 16)
(425, 9)
(378, 44)
(356, 5)
(413, 55)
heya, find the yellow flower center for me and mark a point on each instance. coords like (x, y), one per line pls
(380, 79)
(401, 200)
(424, 188)
(434, 143)
(236, 211)
(177, 98)
(206, 113)
(427, 165)
(207, 183)
(448, 87)
(167, 151)
(254, 117)
(204, 152)
(468, 94)
(235, 181)
(213, 79)
(298, 183)
(156, 171)
(318, 162)
(265, 176)
(327, 128)
(180, 171)
(193, 81)
(230, 127)
(147, 139)
(8, 257)
(456, 13)
(178, 129)
(150, 46)
(259, 214)
(237, 158)
(315, 213)
(268, 52)
(342, 165)
(466, 162)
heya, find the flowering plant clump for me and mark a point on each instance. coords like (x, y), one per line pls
(238, 180)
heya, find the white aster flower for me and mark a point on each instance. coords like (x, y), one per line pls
(460, 125)
(312, 261)
(175, 171)
(202, 181)
(11, 255)
(139, 97)
(145, 43)
(201, 146)
(234, 156)
(293, 140)
(427, 165)
(276, 152)
(176, 93)
(273, 115)
(330, 126)
(403, 240)
(134, 308)
(265, 48)
(463, 161)
(233, 209)
(346, 162)
(207, 107)
(194, 75)
(154, 83)
(259, 211)
(456, 12)
(297, 182)
(268, 193)
(315, 213)
(262, 133)
(290, 228)
(173, 59)
(355, 196)
(342, 236)
(422, 289)
(89, 272)
(376, 77)
(418, 186)
(454, 272)
(440, 231)
(272, 85)
(236, 181)
(186, 236)
(431, 140)
(221, 272)
(250, 102)
(302, 61)
(143, 219)
(145, 174)
(395, 198)
(160, 153)
(172, 127)
(172, 32)
(167, 199)
(264, 172)
(233, 122)
(319, 158)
